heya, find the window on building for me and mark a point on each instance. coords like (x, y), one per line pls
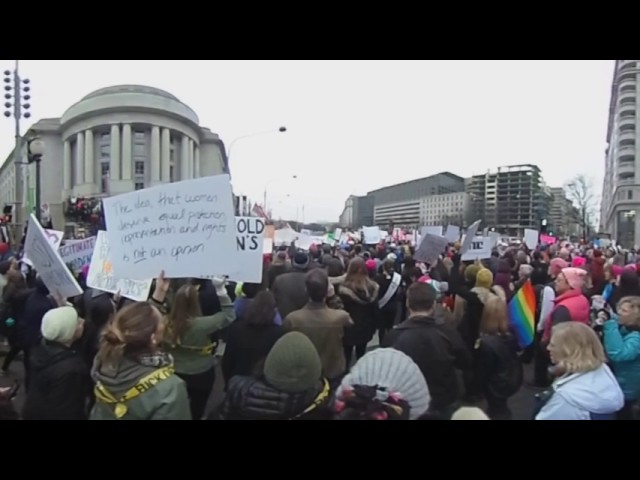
(139, 167)
(105, 151)
(105, 138)
(172, 177)
(139, 149)
(139, 185)
(138, 135)
(630, 195)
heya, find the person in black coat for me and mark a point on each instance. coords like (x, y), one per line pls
(497, 368)
(435, 346)
(250, 338)
(60, 382)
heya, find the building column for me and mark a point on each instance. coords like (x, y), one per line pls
(165, 156)
(184, 158)
(196, 162)
(89, 173)
(114, 152)
(127, 167)
(155, 154)
(192, 146)
(79, 158)
(67, 181)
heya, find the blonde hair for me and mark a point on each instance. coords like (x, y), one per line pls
(634, 302)
(495, 318)
(578, 348)
(129, 333)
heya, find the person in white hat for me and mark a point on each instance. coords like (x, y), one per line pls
(60, 383)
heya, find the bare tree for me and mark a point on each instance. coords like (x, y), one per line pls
(581, 191)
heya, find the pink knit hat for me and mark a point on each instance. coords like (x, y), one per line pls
(575, 277)
(616, 270)
(371, 265)
(556, 266)
(631, 266)
(579, 262)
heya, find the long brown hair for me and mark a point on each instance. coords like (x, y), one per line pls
(186, 307)
(15, 284)
(357, 275)
(129, 333)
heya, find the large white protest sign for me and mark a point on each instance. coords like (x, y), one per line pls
(372, 235)
(183, 228)
(285, 236)
(250, 248)
(54, 237)
(431, 246)
(54, 273)
(102, 276)
(479, 249)
(531, 238)
(78, 253)
(469, 236)
(267, 246)
(452, 234)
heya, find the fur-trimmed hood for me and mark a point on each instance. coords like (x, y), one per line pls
(359, 296)
(485, 293)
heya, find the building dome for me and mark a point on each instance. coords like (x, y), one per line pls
(114, 104)
(130, 89)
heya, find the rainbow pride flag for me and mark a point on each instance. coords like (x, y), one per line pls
(522, 308)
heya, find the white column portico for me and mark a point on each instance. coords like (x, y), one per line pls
(67, 181)
(165, 155)
(114, 152)
(89, 173)
(127, 167)
(79, 166)
(155, 155)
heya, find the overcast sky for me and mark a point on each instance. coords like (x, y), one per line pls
(354, 126)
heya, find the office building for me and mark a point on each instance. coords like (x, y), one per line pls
(115, 140)
(510, 199)
(621, 188)
(564, 218)
(405, 205)
(357, 212)
(445, 209)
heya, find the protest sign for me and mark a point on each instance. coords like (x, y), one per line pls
(432, 230)
(452, 234)
(372, 235)
(54, 273)
(183, 228)
(103, 277)
(469, 236)
(54, 237)
(431, 246)
(78, 253)
(479, 249)
(531, 238)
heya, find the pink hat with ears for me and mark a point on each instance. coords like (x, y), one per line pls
(631, 266)
(575, 277)
(579, 262)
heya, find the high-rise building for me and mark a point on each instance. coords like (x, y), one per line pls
(621, 187)
(564, 218)
(510, 199)
(357, 212)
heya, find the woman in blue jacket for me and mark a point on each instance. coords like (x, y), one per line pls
(622, 345)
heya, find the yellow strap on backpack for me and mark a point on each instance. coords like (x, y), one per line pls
(144, 384)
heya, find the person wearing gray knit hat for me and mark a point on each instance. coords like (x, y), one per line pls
(293, 364)
(396, 379)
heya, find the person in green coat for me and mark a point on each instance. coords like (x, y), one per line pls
(135, 379)
(189, 340)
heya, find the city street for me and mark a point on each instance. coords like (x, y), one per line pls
(521, 404)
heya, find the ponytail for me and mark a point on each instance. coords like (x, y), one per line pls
(112, 345)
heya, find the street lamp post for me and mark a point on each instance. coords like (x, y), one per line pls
(35, 150)
(17, 109)
(242, 137)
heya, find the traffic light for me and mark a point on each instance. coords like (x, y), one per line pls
(543, 225)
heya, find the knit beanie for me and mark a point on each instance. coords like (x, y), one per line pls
(371, 265)
(469, 413)
(470, 273)
(616, 270)
(579, 262)
(300, 261)
(293, 364)
(59, 324)
(556, 265)
(575, 277)
(393, 371)
(484, 278)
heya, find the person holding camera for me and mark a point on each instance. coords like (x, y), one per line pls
(621, 338)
